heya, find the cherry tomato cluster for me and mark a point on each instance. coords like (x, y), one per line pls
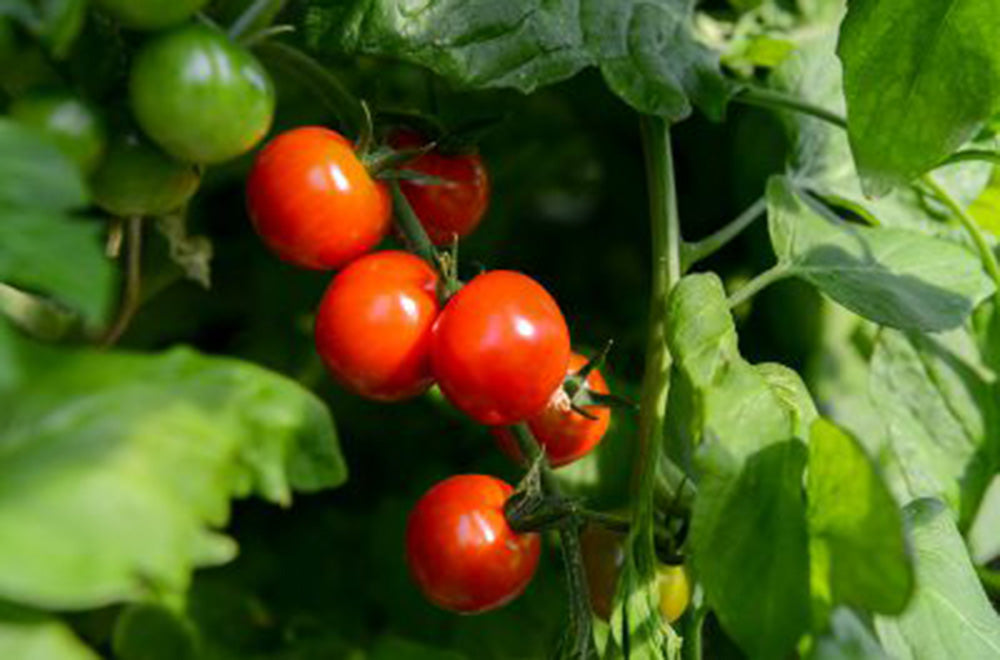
(195, 97)
(389, 327)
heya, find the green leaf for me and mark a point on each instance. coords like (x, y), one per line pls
(941, 407)
(787, 385)
(29, 636)
(984, 534)
(838, 377)
(715, 393)
(750, 548)
(950, 616)
(855, 526)
(152, 632)
(58, 255)
(821, 160)
(35, 174)
(646, 49)
(116, 467)
(920, 80)
(748, 540)
(894, 277)
(650, 58)
(986, 208)
(848, 639)
(41, 248)
(56, 23)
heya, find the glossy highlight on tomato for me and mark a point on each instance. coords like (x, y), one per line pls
(454, 207)
(500, 348)
(312, 201)
(200, 96)
(460, 550)
(150, 14)
(565, 434)
(373, 327)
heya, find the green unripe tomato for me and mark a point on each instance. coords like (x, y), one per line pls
(136, 178)
(200, 96)
(150, 14)
(70, 123)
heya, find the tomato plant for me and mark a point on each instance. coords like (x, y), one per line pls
(373, 326)
(780, 216)
(136, 178)
(500, 348)
(453, 207)
(564, 433)
(603, 557)
(460, 549)
(200, 96)
(313, 202)
(72, 124)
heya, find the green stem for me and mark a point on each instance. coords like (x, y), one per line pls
(692, 253)
(666, 242)
(252, 15)
(985, 155)
(334, 95)
(411, 228)
(757, 284)
(666, 273)
(986, 253)
(774, 100)
(131, 293)
(692, 634)
(531, 450)
(580, 630)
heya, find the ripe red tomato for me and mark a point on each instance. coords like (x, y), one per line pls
(373, 327)
(313, 202)
(460, 550)
(565, 434)
(500, 348)
(454, 207)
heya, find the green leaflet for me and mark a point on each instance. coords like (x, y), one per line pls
(115, 467)
(43, 248)
(646, 50)
(748, 540)
(895, 277)
(950, 616)
(848, 639)
(28, 635)
(855, 526)
(920, 80)
(940, 405)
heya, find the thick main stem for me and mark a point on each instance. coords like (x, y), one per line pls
(666, 241)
